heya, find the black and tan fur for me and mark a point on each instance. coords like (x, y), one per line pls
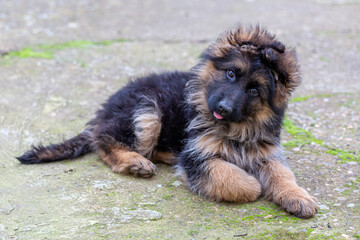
(220, 123)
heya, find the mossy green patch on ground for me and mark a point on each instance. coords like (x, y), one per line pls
(31, 53)
(322, 95)
(353, 184)
(282, 234)
(167, 196)
(193, 232)
(99, 230)
(47, 51)
(270, 213)
(279, 234)
(70, 44)
(343, 155)
(299, 99)
(324, 59)
(325, 237)
(302, 137)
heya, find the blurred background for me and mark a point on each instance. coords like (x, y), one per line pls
(325, 32)
(61, 59)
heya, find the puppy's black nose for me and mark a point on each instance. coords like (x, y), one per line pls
(224, 108)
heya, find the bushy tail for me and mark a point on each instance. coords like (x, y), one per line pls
(72, 148)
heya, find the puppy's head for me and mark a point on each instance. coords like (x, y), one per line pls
(245, 76)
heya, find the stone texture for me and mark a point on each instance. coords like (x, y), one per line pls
(47, 100)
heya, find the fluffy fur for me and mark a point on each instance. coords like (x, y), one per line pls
(221, 121)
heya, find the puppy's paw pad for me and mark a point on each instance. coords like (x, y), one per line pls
(302, 206)
(137, 166)
(143, 168)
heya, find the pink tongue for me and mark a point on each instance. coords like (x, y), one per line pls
(218, 116)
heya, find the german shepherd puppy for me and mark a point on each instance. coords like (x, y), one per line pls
(219, 123)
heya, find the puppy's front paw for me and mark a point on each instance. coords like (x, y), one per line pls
(299, 203)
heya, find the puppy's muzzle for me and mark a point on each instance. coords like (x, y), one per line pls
(224, 108)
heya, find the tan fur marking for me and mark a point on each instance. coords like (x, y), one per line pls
(281, 97)
(260, 80)
(165, 157)
(220, 49)
(199, 100)
(210, 144)
(280, 186)
(243, 64)
(206, 72)
(201, 103)
(227, 182)
(147, 131)
(122, 160)
(264, 114)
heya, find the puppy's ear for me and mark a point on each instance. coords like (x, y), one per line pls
(278, 46)
(284, 67)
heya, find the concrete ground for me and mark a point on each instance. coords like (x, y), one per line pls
(61, 59)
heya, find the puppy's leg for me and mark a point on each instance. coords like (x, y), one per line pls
(122, 160)
(279, 185)
(164, 157)
(147, 128)
(223, 181)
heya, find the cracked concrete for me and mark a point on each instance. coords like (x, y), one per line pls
(47, 100)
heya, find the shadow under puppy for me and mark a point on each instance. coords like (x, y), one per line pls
(219, 123)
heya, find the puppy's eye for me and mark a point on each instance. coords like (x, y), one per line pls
(230, 74)
(254, 92)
